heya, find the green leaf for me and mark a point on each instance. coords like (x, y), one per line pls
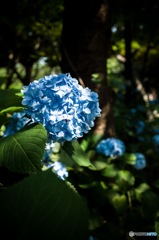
(97, 165)
(65, 159)
(12, 109)
(3, 80)
(110, 171)
(125, 180)
(76, 153)
(120, 203)
(9, 99)
(129, 158)
(95, 220)
(43, 206)
(140, 189)
(157, 227)
(23, 151)
(91, 154)
(110, 194)
(150, 205)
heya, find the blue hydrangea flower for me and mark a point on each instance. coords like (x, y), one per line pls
(139, 127)
(111, 147)
(133, 110)
(59, 168)
(140, 161)
(17, 121)
(62, 106)
(156, 139)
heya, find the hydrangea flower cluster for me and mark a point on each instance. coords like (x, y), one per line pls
(59, 168)
(62, 106)
(139, 127)
(140, 161)
(111, 147)
(156, 139)
(17, 121)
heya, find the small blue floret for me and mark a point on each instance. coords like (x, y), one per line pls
(59, 168)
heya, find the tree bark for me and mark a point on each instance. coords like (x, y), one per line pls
(128, 62)
(85, 42)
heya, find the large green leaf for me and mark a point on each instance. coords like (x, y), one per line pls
(9, 99)
(22, 152)
(43, 206)
(120, 203)
(125, 180)
(76, 153)
(110, 171)
(143, 187)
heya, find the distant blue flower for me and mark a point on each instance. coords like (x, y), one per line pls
(92, 238)
(156, 130)
(139, 127)
(140, 161)
(59, 168)
(133, 110)
(111, 147)
(17, 121)
(156, 139)
(66, 109)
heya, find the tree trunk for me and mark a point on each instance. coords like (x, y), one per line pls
(128, 64)
(85, 42)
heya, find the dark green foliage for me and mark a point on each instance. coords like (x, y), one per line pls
(9, 99)
(43, 206)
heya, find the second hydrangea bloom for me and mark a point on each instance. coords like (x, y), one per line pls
(65, 108)
(111, 147)
(140, 161)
